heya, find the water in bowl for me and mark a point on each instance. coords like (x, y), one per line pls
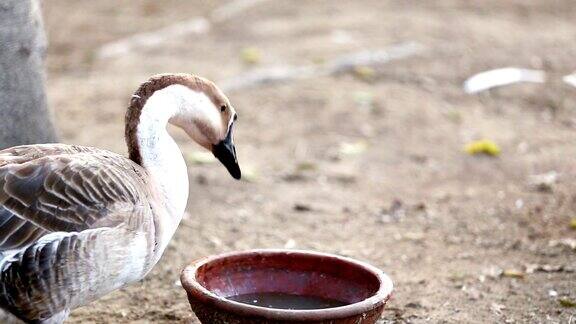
(286, 301)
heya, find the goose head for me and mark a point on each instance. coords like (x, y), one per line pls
(191, 103)
(209, 121)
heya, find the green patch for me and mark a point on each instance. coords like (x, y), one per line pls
(306, 166)
(566, 302)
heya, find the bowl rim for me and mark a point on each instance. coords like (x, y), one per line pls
(195, 290)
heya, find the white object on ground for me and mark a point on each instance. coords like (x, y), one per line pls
(552, 293)
(544, 182)
(501, 77)
(570, 79)
(341, 37)
(290, 244)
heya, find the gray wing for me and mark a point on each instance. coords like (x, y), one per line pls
(62, 188)
(75, 224)
(62, 271)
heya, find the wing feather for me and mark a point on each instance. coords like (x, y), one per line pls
(63, 188)
(65, 270)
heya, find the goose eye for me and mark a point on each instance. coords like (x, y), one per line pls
(223, 108)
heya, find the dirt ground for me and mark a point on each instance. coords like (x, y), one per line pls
(402, 194)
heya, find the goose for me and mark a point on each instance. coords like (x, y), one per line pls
(78, 222)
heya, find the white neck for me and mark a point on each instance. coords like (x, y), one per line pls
(161, 156)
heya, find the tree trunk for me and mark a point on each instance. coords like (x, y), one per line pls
(24, 117)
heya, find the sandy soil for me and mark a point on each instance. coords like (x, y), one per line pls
(441, 223)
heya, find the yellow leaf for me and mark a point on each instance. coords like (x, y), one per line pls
(487, 147)
(573, 223)
(250, 55)
(306, 166)
(365, 73)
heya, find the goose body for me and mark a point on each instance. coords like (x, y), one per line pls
(77, 222)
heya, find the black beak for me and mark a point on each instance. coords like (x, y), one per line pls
(225, 152)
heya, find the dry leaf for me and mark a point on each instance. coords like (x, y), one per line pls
(414, 236)
(306, 166)
(364, 73)
(511, 273)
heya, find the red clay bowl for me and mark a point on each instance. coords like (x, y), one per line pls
(209, 282)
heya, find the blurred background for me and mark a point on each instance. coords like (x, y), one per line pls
(352, 133)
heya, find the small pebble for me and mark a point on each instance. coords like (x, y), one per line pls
(552, 293)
